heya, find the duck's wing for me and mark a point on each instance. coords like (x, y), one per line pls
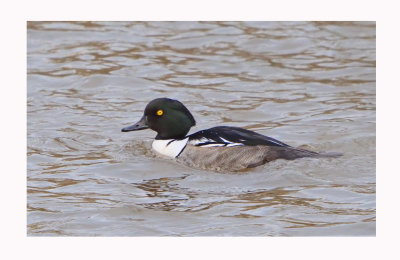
(231, 136)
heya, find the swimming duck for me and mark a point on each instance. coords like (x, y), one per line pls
(221, 148)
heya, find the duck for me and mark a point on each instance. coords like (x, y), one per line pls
(220, 148)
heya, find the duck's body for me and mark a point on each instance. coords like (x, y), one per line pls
(221, 148)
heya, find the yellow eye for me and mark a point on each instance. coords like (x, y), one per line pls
(160, 112)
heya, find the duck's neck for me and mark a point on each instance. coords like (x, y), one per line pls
(169, 147)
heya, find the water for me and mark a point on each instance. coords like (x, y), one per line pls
(308, 84)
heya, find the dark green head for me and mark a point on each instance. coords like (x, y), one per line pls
(168, 117)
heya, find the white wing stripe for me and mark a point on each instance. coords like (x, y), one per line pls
(225, 141)
(234, 144)
(205, 142)
(211, 145)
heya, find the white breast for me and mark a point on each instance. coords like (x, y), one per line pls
(171, 148)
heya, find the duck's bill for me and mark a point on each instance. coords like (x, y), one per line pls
(138, 126)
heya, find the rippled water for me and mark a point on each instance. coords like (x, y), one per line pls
(309, 84)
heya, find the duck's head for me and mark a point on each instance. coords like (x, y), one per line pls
(168, 117)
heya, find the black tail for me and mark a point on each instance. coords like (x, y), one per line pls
(291, 153)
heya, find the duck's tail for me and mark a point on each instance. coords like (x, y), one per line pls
(291, 153)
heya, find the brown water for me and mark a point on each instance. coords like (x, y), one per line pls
(309, 84)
